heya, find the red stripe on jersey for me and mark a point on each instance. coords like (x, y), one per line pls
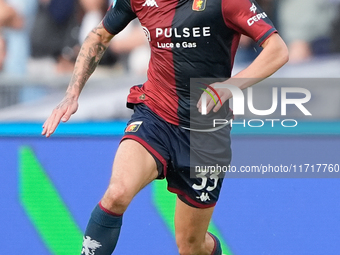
(159, 91)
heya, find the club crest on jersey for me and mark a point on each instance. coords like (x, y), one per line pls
(199, 5)
(134, 126)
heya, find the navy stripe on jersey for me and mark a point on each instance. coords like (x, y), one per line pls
(208, 57)
(265, 36)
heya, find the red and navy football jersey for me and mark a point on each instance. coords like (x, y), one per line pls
(188, 39)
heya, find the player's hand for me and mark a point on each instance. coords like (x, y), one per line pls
(62, 112)
(214, 102)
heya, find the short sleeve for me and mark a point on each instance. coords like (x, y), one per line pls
(246, 17)
(118, 16)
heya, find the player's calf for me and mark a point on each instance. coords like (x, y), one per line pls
(193, 246)
(102, 232)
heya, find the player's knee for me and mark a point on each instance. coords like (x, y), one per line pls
(189, 245)
(117, 198)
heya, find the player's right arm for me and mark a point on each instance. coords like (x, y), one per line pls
(89, 56)
(117, 17)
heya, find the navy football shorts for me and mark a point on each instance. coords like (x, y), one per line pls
(194, 163)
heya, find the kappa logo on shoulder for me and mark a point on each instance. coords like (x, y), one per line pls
(150, 3)
(134, 126)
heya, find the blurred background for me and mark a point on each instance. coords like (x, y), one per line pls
(49, 187)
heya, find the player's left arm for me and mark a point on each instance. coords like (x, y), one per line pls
(240, 16)
(273, 56)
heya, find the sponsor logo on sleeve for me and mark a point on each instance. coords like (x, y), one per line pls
(256, 17)
(253, 8)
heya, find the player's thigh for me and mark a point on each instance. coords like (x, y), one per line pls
(191, 224)
(133, 168)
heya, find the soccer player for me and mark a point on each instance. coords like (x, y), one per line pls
(188, 39)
